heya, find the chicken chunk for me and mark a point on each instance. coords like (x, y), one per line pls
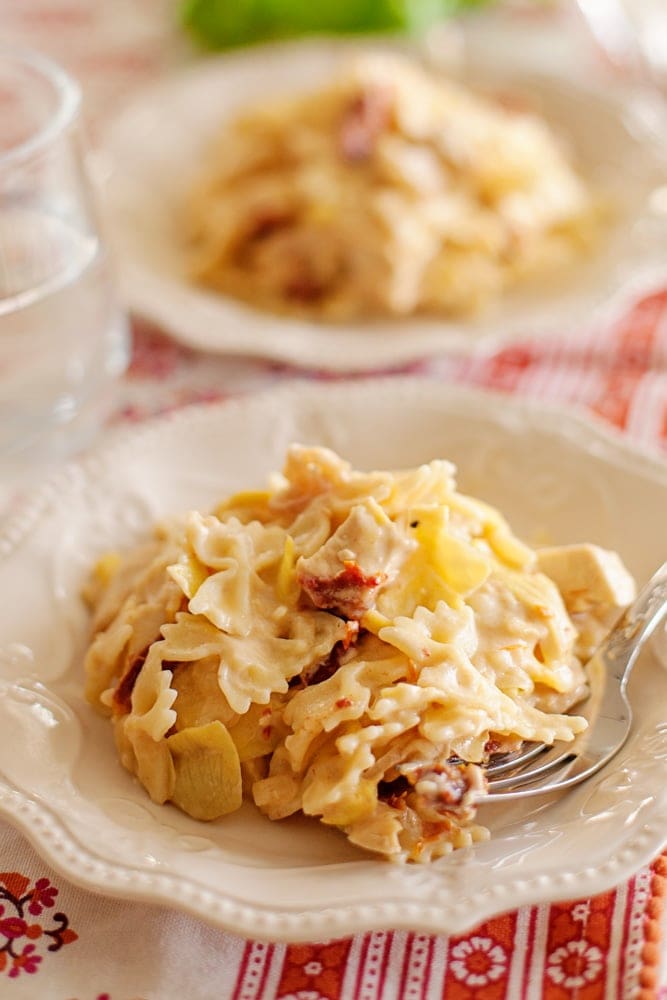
(364, 554)
(595, 587)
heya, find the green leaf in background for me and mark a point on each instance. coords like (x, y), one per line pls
(225, 23)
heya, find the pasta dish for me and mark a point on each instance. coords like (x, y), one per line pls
(392, 191)
(353, 646)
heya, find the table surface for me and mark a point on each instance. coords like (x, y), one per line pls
(57, 941)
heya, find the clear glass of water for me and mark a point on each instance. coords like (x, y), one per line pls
(63, 337)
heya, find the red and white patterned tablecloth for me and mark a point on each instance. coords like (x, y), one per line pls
(58, 942)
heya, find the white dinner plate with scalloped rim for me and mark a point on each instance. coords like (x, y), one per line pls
(557, 477)
(155, 146)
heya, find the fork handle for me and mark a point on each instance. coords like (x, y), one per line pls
(640, 620)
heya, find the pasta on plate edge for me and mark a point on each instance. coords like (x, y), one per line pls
(351, 645)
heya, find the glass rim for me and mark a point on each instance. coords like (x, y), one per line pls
(68, 95)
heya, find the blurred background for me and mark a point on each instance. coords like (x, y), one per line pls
(118, 49)
(633, 32)
(114, 46)
(225, 23)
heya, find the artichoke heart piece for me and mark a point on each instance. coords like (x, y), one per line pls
(189, 573)
(257, 732)
(457, 562)
(248, 505)
(153, 762)
(208, 772)
(286, 583)
(509, 549)
(463, 567)
(353, 808)
(372, 620)
(199, 699)
(106, 567)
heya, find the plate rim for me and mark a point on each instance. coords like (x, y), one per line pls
(79, 863)
(567, 418)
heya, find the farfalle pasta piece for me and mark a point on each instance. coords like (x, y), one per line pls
(352, 645)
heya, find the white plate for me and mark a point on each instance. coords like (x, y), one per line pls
(156, 145)
(556, 476)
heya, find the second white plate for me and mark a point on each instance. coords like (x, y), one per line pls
(155, 146)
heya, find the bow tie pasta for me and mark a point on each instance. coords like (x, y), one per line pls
(390, 192)
(352, 645)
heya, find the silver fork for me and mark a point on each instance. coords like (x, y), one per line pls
(540, 769)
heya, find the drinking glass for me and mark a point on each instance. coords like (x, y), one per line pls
(63, 337)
